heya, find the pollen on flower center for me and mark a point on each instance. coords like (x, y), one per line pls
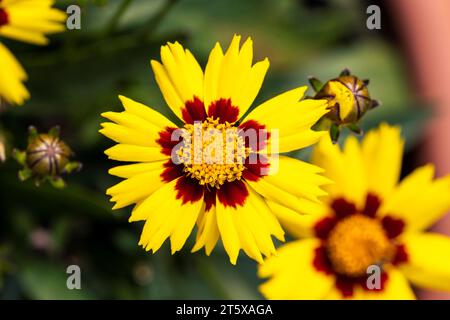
(213, 152)
(357, 242)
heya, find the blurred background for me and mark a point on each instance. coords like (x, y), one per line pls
(80, 74)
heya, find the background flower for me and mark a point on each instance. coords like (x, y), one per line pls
(28, 21)
(367, 219)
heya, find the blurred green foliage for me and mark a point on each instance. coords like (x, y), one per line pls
(80, 74)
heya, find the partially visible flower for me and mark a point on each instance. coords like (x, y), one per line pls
(28, 21)
(177, 182)
(12, 76)
(368, 219)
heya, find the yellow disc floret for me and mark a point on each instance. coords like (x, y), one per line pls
(213, 152)
(356, 243)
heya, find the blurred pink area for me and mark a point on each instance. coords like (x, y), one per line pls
(424, 27)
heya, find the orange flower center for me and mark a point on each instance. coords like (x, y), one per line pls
(357, 242)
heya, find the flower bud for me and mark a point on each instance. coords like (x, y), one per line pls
(46, 158)
(47, 155)
(348, 100)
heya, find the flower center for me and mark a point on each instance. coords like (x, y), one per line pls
(212, 152)
(357, 242)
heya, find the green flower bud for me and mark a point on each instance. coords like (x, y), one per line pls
(46, 158)
(348, 100)
(47, 155)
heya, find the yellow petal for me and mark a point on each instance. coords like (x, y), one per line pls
(292, 275)
(209, 233)
(285, 173)
(259, 229)
(291, 119)
(172, 97)
(299, 225)
(11, 77)
(382, 151)
(212, 75)
(127, 152)
(185, 224)
(130, 170)
(166, 216)
(146, 113)
(345, 167)
(246, 238)
(419, 200)
(234, 74)
(136, 188)
(179, 77)
(228, 232)
(126, 135)
(265, 214)
(428, 264)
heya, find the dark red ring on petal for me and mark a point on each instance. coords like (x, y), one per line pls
(400, 256)
(165, 140)
(193, 110)
(342, 208)
(321, 262)
(253, 129)
(188, 189)
(224, 110)
(4, 18)
(323, 227)
(372, 205)
(392, 226)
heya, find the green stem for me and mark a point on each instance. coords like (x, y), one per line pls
(150, 26)
(112, 25)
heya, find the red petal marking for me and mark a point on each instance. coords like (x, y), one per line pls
(323, 227)
(193, 110)
(188, 190)
(165, 140)
(224, 110)
(232, 193)
(4, 19)
(345, 285)
(342, 208)
(321, 261)
(171, 171)
(210, 198)
(372, 205)
(401, 255)
(393, 227)
(254, 129)
(254, 171)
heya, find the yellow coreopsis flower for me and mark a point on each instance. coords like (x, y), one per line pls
(28, 21)
(175, 186)
(368, 219)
